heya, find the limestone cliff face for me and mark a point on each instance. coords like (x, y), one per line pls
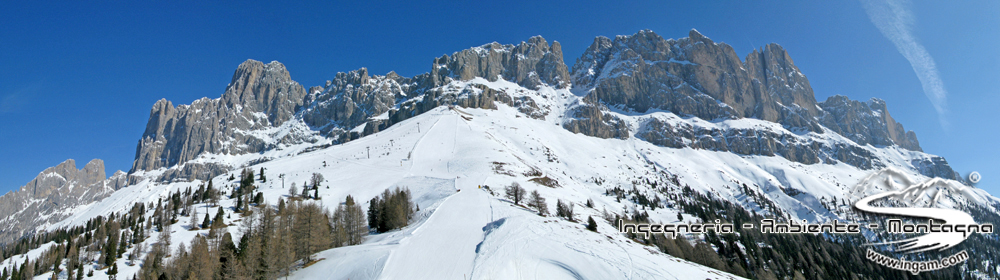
(529, 64)
(696, 76)
(351, 98)
(756, 141)
(357, 98)
(866, 122)
(263, 96)
(260, 96)
(638, 73)
(53, 191)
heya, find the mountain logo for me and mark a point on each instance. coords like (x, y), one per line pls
(893, 193)
(933, 199)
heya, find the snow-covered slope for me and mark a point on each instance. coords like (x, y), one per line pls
(492, 116)
(462, 231)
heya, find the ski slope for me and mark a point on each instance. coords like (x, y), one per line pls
(463, 231)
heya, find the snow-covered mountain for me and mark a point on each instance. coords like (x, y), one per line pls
(56, 193)
(639, 113)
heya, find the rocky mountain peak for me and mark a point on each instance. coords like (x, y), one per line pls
(351, 98)
(259, 96)
(529, 64)
(694, 35)
(253, 71)
(698, 77)
(54, 190)
(263, 88)
(866, 122)
(692, 76)
(66, 171)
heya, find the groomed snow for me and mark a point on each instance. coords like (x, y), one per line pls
(462, 232)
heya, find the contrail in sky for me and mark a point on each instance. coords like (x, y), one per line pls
(894, 19)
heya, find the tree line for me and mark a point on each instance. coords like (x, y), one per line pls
(773, 256)
(274, 240)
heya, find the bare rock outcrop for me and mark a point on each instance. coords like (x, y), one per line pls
(695, 76)
(638, 73)
(352, 98)
(698, 77)
(528, 64)
(866, 122)
(47, 197)
(260, 96)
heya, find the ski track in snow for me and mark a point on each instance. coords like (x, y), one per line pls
(463, 232)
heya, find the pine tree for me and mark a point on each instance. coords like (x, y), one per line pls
(591, 224)
(212, 194)
(218, 221)
(122, 245)
(206, 222)
(374, 212)
(564, 210)
(113, 272)
(669, 246)
(569, 212)
(246, 180)
(79, 272)
(110, 250)
(262, 178)
(259, 198)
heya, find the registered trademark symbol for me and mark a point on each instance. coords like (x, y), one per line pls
(974, 177)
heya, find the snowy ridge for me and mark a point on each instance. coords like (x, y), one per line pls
(495, 115)
(464, 232)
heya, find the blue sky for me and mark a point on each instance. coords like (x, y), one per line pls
(77, 80)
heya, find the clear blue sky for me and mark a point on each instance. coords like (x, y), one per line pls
(77, 80)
